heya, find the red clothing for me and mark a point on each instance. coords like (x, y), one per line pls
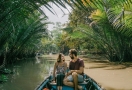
(76, 65)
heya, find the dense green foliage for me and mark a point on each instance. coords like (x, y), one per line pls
(100, 25)
(21, 28)
(104, 26)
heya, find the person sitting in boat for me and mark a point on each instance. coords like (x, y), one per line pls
(76, 71)
(60, 69)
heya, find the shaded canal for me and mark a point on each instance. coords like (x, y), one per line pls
(28, 74)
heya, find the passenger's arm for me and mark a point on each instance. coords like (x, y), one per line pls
(69, 69)
(65, 67)
(80, 71)
(54, 71)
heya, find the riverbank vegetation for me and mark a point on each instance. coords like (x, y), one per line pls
(101, 27)
(94, 26)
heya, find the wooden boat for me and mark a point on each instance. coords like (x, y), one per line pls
(88, 84)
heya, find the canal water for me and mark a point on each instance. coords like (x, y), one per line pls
(28, 74)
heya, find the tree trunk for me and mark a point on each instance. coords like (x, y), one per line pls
(4, 62)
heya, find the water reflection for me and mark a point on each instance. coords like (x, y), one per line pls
(28, 74)
(37, 60)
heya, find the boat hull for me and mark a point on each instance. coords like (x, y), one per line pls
(88, 84)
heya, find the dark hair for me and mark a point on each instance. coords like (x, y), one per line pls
(73, 51)
(59, 57)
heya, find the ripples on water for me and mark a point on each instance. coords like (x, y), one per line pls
(28, 74)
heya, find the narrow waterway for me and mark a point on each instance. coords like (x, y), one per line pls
(28, 74)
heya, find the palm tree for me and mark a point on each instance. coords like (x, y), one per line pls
(17, 26)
